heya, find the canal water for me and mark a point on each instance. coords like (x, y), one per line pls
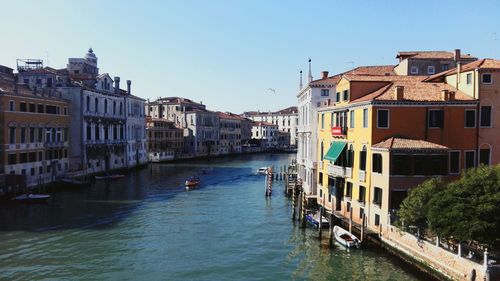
(146, 226)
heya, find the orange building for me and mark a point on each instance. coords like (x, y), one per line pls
(385, 135)
(35, 139)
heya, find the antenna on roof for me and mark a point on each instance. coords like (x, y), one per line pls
(300, 85)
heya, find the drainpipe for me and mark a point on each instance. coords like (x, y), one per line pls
(426, 123)
(478, 106)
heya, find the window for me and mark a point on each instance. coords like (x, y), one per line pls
(382, 118)
(88, 103)
(49, 82)
(22, 107)
(32, 135)
(431, 69)
(322, 121)
(41, 108)
(470, 118)
(484, 156)
(351, 119)
(12, 159)
(377, 196)
(12, 135)
(337, 97)
(414, 70)
(26, 81)
(446, 66)
(377, 163)
(361, 213)
(65, 111)
(105, 106)
(322, 151)
(96, 104)
(377, 220)
(470, 159)
(23, 135)
(401, 164)
(320, 178)
(325, 92)
(32, 107)
(485, 116)
(346, 95)
(365, 118)
(436, 118)
(89, 132)
(362, 192)
(348, 190)
(486, 78)
(469, 78)
(12, 105)
(39, 81)
(362, 159)
(40, 135)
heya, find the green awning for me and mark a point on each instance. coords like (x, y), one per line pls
(335, 150)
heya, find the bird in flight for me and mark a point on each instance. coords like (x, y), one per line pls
(271, 90)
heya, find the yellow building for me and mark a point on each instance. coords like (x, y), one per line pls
(382, 135)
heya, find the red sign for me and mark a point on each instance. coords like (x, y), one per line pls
(337, 131)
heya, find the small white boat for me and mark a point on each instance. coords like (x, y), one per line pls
(346, 238)
(313, 219)
(32, 197)
(262, 170)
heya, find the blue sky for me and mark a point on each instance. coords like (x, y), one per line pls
(228, 53)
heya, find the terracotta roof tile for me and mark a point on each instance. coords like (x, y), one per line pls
(481, 64)
(385, 70)
(414, 89)
(432, 55)
(395, 143)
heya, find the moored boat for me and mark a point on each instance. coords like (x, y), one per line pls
(29, 197)
(313, 219)
(346, 238)
(262, 170)
(72, 181)
(109, 177)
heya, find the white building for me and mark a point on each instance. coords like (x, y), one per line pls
(204, 127)
(136, 129)
(267, 133)
(286, 119)
(309, 98)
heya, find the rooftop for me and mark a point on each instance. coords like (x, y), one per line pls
(397, 143)
(479, 64)
(431, 55)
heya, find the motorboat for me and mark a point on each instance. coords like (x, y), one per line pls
(30, 197)
(313, 219)
(262, 170)
(72, 181)
(192, 182)
(346, 238)
(109, 177)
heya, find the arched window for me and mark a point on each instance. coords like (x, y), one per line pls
(105, 106)
(114, 107)
(121, 108)
(350, 156)
(88, 103)
(96, 104)
(362, 159)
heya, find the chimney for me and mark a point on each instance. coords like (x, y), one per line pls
(445, 95)
(399, 92)
(128, 87)
(324, 74)
(117, 85)
(457, 55)
(451, 95)
(15, 83)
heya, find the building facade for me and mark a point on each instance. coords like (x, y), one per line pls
(35, 134)
(229, 133)
(164, 140)
(267, 134)
(429, 62)
(378, 141)
(286, 119)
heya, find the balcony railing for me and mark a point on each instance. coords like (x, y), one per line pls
(339, 171)
(362, 175)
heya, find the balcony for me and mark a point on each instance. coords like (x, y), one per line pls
(339, 171)
(54, 144)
